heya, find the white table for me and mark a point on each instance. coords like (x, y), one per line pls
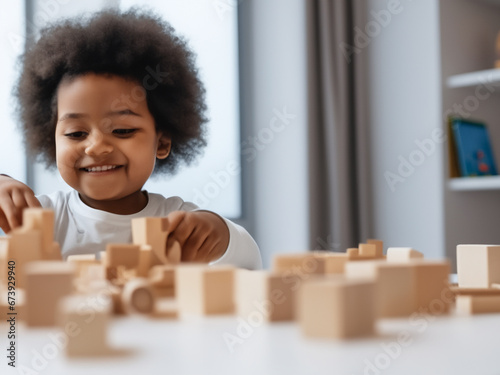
(444, 345)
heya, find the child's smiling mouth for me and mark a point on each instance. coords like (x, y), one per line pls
(101, 168)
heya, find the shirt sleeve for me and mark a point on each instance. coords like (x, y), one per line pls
(242, 251)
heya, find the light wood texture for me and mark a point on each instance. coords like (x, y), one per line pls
(204, 290)
(403, 254)
(46, 283)
(478, 266)
(337, 308)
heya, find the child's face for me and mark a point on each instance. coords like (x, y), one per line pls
(106, 141)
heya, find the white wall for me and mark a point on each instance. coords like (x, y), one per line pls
(403, 62)
(274, 65)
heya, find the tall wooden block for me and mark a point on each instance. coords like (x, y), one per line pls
(478, 266)
(149, 231)
(337, 308)
(269, 295)
(25, 246)
(379, 247)
(46, 283)
(42, 220)
(432, 286)
(403, 254)
(85, 318)
(394, 284)
(162, 280)
(202, 289)
(301, 263)
(126, 255)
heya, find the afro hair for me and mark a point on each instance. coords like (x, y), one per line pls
(135, 44)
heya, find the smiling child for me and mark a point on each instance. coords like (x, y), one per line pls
(110, 101)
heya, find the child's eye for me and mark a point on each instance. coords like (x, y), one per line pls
(75, 135)
(124, 132)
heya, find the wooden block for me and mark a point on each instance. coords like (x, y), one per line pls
(367, 250)
(46, 283)
(82, 262)
(432, 286)
(478, 266)
(336, 308)
(204, 290)
(475, 304)
(126, 255)
(25, 246)
(270, 296)
(4, 253)
(379, 245)
(151, 231)
(145, 263)
(394, 285)
(138, 296)
(475, 291)
(174, 253)
(403, 254)
(42, 220)
(496, 286)
(301, 263)
(352, 252)
(334, 263)
(162, 280)
(85, 320)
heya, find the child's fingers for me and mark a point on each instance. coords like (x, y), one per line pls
(10, 212)
(31, 199)
(18, 200)
(4, 224)
(193, 245)
(173, 219)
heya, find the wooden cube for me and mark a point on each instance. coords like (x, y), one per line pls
(82, 262)
(337, 308)
(300, 264)
(150, 231)
(333, 263)
(272, 296)
(379, 247)
(25, 246)
(47, 282)
(367, 250)
(42, 220)
(432, 286)
(478, 304)
(394, 284)
(478, 266)
(203, 290)
(85, 318)
(403, 254)
(126, 255)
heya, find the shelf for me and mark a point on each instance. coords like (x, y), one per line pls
(474, 183)
(490, 76)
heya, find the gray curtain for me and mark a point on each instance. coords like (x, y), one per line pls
(339, 213)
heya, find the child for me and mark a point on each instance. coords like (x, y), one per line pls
(109, 101)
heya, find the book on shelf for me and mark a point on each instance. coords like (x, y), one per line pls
(471, 154)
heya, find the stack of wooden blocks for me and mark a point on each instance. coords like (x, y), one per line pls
(334, 295)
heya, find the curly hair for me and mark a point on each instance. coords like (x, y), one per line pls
(134, 44)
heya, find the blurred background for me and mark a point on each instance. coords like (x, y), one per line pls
(328, 119)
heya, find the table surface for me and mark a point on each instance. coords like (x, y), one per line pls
(422, 344)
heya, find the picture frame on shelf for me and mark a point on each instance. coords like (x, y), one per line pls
(471, 148)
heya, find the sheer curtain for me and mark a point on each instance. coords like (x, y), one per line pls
(339, 190)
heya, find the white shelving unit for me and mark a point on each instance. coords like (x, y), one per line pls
(474, 183)
(491, 76)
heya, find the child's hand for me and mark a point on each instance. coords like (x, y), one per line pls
(203, 235)
(14, 198)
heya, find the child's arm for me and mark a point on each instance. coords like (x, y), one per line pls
(203, 235)
(14, 197)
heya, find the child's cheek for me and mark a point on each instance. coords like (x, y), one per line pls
(66, 156)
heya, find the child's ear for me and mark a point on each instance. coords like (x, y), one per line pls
(163, 148)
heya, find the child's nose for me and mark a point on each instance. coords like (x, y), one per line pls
(98, 145)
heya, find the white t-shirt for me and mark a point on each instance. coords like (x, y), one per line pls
(81, 229)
